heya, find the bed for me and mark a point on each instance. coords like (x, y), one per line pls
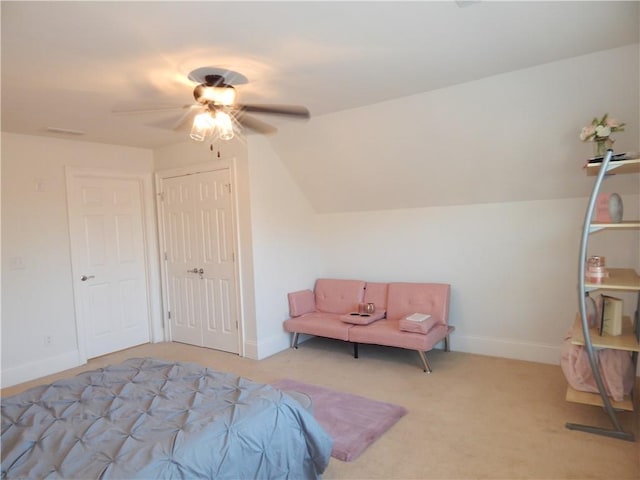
(150, 418)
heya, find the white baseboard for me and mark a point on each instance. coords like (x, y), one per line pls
(39, 368)
(272, 345)
(493, 347)
(490, 346)
(506, 348)
(251, 350)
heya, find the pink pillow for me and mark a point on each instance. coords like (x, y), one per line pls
(418, 327)
(301, 302)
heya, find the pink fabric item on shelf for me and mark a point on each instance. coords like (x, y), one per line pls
(616, 369)
(423, 326)
(301, 302)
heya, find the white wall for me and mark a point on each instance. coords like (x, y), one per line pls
(37, 295)
(285, 244)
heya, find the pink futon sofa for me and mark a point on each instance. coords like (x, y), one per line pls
(331, 310)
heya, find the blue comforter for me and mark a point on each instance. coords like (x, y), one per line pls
(149, 418)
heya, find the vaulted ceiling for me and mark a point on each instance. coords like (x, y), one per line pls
(68, 65)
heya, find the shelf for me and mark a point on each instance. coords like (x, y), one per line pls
(619, 279)
(619, 166)
(624, 279)
(588, 398)
(624, 225)
(627, 341)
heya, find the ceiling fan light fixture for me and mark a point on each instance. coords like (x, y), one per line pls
(203, 126)
(224, 125)
(208, 123)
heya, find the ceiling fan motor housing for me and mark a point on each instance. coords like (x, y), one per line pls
(215, 90)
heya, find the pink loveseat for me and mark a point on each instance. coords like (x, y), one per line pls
(330, 310)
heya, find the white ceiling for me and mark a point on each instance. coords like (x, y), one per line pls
(70, 64)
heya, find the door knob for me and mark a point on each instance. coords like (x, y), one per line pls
(197, 270)
(84, 278)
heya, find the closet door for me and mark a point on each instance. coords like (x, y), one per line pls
(198, 223)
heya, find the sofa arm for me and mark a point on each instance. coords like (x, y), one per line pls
(301, 302)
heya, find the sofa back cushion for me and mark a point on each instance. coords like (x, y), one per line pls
(376, 293)
(338, 296)
(406, 298)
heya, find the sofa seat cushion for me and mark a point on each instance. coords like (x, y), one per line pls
(338, 296)
(387, 332)
(320, 324)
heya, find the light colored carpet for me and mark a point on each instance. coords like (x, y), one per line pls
(474, 417)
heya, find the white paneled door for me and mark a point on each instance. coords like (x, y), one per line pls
(199, 243)
(109, 262)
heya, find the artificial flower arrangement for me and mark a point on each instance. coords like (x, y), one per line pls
(600, 132)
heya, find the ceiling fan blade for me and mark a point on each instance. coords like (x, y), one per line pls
(181, 123)
(288, 110)
(186, 119)
(252, 123)
(146, 108)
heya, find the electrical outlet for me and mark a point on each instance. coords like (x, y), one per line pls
(48, 340)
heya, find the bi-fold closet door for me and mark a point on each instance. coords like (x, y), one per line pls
(198, 233)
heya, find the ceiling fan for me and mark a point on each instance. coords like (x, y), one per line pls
(217, 113)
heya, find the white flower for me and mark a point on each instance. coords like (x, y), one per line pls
(587, 132)
(603, 131)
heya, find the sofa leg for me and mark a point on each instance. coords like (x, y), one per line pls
(294, 341)
(425, 363)
(355, 350)
(447, 347)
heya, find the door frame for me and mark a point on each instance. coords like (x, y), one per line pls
(152, 277)
(160, 176)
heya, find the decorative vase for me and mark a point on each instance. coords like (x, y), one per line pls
(615, 207)
(601, 145)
